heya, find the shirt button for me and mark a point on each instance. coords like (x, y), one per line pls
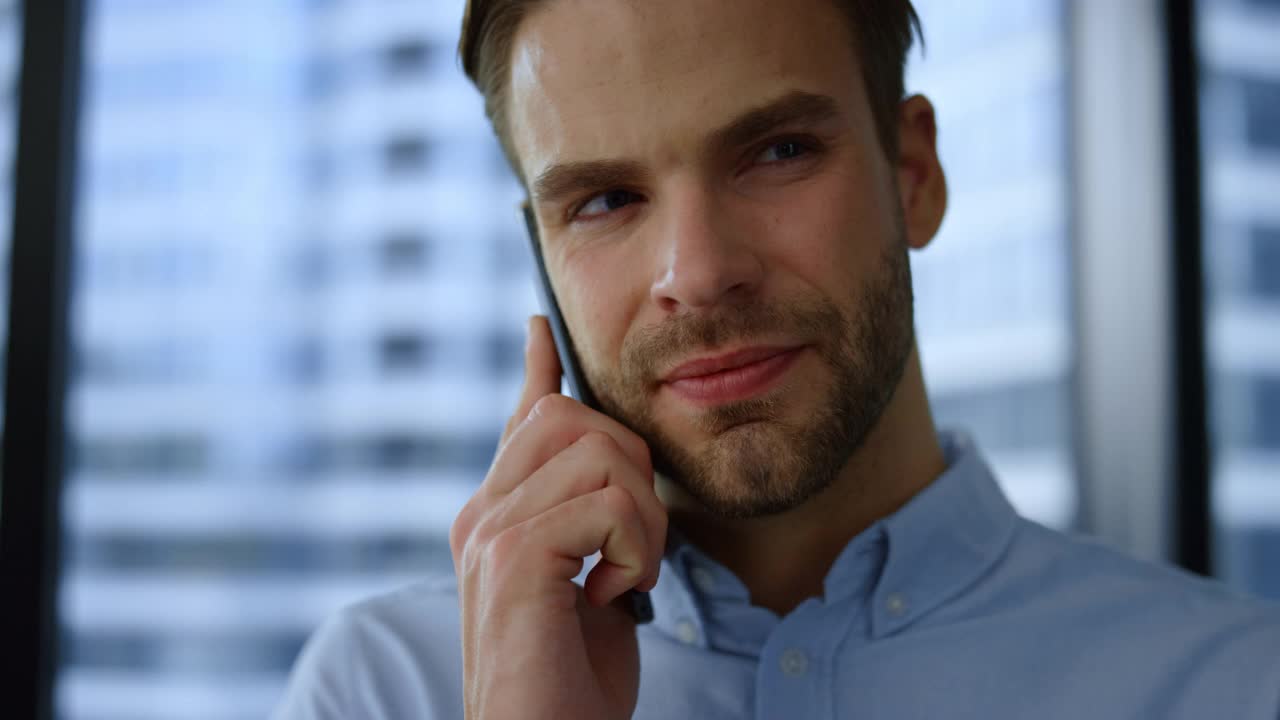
(703, 578)
(687, 633)
(896, 604)
(794, 663)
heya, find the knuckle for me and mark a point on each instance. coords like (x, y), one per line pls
(596, 441)
(618, 502)
(505, 548)
(484, 530)
(464, 559)
(461, 528)
(635, 450)
(550, 406)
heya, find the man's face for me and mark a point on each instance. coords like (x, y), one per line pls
(708, 180)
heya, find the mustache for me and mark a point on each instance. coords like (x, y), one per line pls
(651, 351)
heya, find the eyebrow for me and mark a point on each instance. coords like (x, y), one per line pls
(794, 108)
(566, 179)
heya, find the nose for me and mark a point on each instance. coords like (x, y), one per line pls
(704, 260)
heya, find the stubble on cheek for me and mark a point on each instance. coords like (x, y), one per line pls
(766, 455)
(739, 459)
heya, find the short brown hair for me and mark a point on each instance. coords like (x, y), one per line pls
(883, 32)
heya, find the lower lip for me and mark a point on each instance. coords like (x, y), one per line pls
(737, 384)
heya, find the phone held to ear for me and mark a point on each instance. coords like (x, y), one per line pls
(641, 607)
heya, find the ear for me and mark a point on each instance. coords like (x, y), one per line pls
(922, 186)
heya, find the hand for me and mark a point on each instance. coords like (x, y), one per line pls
(566, 482)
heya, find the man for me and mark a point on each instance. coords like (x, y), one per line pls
(726, 193)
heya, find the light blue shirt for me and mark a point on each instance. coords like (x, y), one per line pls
(952, 607)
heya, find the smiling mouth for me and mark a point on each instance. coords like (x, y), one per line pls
(734, 377)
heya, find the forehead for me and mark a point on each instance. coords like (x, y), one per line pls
(593, 79)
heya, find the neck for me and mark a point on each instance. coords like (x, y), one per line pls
(783, 559)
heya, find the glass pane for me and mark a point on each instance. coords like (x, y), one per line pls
(297, 323)
(993, 290)
(1240, 115)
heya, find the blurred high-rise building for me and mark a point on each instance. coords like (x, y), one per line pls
(1240, 118)
(993, 289)
(295, 323)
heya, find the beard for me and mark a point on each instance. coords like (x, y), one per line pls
(761, 460)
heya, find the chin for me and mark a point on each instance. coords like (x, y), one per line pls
(749, 470)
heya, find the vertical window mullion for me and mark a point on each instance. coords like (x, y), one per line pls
(35, 369)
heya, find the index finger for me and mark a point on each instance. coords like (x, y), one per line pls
(541, 372)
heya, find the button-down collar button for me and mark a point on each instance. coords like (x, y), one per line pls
(896, 604)
(793, 662)
(687, 633)
(703, 578)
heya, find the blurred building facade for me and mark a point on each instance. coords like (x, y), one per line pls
(294, 329)
(997, 275)
(1240, 118)
(299, 301)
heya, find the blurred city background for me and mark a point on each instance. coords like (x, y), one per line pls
(300, 285)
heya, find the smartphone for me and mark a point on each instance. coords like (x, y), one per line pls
(641, 607)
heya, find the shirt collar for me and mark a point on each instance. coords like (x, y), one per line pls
(942, 540)
(910, 562)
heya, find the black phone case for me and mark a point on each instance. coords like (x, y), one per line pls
(641, 606)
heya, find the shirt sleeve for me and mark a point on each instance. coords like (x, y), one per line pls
(317, 686)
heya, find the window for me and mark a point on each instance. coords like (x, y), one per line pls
(401, 253)
(289, 463)
(1262, 113)
(320, 77)
(157, 361)
(1267, 411)
(992, 291)
(309, 266)
(426, 452)
(1015, 417)
(402, 351)
(305, 360)
(131, 457)
(1264, 262)
(505, 351)
(408, 57)
(406, 155)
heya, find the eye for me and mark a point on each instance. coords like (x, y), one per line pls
(605, 203)
(783, 151)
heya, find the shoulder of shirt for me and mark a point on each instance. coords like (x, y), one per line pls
(433, 588)
(1073, 558)
(382, 657)
(1147, 612)
(428, 607)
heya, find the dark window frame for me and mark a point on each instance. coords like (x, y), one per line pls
(35, 375)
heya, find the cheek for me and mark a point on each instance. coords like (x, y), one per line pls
(826, 230)
(600, 297)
